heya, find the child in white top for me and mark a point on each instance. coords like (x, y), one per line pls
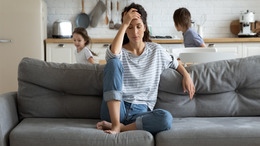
(81, 40)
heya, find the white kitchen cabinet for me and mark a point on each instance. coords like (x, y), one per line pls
(100, 50)
(236, 48)
(251, 49)
(240, 49)
(60, 52)
(170, 47)
(64, 52)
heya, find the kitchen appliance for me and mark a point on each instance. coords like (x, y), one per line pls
(247, 20)
(62, 29)
(23, 29)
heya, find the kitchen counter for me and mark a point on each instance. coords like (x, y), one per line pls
(164, 41)
(61, 50)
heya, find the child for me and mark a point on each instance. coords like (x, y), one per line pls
(182, 20)
(81, 40)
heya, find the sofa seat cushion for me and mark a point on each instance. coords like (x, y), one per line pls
(215, 131)
(72, 132)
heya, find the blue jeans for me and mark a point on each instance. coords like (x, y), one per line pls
(152, 121)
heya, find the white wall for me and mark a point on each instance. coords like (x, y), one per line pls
(219, 14)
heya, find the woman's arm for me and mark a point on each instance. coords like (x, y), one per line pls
(118, 40)
(116, 45)
(187, 82)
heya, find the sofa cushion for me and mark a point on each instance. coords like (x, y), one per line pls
(218, 131)
(59, 90)
(223, 88)
(73, 132)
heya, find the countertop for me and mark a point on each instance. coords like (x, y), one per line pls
(164, 41)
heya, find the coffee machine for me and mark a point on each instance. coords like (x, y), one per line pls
(247, 20)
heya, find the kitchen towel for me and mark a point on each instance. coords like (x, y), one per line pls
(96, 13)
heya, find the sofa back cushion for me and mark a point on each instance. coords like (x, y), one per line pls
(223, 88)
(59, 90)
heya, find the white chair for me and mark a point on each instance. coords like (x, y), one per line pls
(176, 52)
(202, 57)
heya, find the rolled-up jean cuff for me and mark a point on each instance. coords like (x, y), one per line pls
(139, 123)
(112, 95)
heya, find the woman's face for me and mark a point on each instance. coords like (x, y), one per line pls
(135, 31)
(78, 41)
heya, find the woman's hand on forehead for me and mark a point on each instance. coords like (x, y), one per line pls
(130, 15)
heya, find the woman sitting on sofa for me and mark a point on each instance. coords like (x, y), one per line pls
(132, 75)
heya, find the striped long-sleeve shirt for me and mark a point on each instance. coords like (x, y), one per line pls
(142, 73)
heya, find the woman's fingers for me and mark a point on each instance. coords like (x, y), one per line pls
(130, 15)
(188, 86)
(191, 91)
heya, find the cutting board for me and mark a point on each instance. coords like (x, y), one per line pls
(235, 27)
(257, 28)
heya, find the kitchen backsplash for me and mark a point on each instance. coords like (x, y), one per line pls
(215, 15)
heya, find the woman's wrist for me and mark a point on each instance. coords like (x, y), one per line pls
(185, 74)
(124, 26)
(183, 71)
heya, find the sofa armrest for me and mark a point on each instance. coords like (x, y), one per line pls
(8, 116)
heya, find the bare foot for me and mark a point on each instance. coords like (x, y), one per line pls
(108, 128)
(104, 125)
(111, 132)
(114, 130)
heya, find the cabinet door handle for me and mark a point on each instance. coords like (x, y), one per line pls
(5, 41)
(61, 45)
(105, 45)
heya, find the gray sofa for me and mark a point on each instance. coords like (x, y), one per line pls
(59, 105)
